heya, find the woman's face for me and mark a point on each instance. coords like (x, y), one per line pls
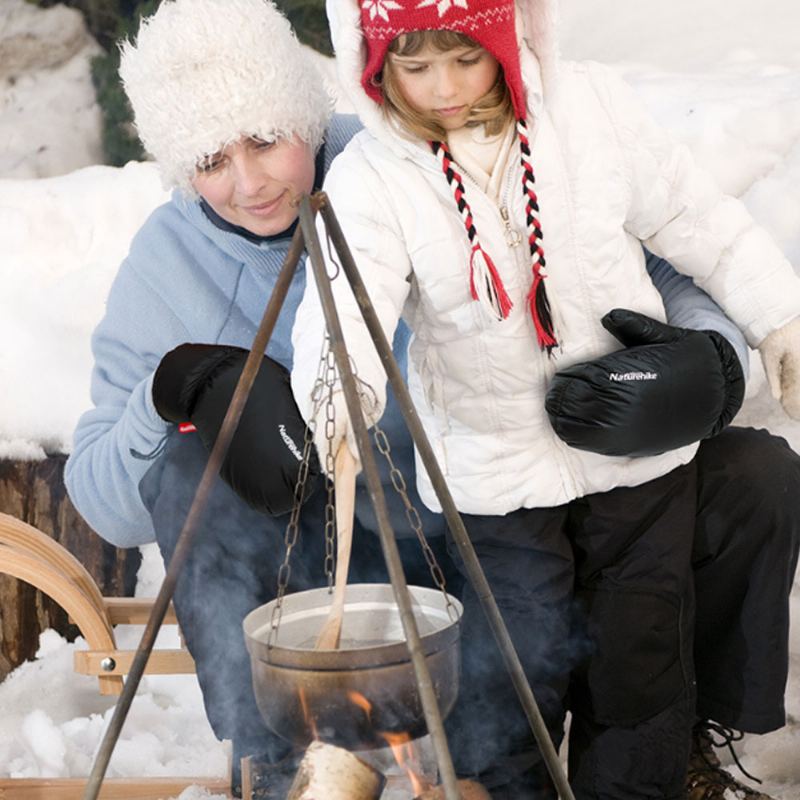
(442, 86)
(257, 184)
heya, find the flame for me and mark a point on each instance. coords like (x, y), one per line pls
(405, 755)
(358, 699)
(401, 745)
(307, 714)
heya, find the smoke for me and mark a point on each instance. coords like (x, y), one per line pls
(233, 568)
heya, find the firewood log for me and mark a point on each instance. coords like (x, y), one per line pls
(333, 773)
(469, 790)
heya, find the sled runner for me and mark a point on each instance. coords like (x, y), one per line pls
(31, 556)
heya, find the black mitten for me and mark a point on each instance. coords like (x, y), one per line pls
(669, 387)
(195, 382)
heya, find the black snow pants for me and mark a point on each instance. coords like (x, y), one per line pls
(614, 607)
(744, 560)
(599, 588)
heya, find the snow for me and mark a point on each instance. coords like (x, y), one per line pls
(49, 118)
(722, 75)
(62, 240)
(165, 734)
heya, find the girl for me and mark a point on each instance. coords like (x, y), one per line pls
(501, 201)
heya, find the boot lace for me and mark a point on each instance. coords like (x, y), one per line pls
(725, 737)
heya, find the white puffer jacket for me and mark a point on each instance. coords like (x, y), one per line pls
(607, 179)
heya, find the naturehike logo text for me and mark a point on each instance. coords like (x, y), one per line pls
(633, 376)
(289, 443)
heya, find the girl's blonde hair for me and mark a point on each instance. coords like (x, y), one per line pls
(494, 108)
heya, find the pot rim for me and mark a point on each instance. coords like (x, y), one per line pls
(299, 605)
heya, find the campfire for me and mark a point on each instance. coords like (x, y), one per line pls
(392, 772)
(409, 773)
(358, 705)
(405, 769)
(333, 773)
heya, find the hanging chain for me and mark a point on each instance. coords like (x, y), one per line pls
(329, 381)
(414, 520)
(323, 391)
(292, 533)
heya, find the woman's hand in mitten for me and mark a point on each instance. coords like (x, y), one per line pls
(780, 353)
(195, 382)
(669, 387)
(183, 373)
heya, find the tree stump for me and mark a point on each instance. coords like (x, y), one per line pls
(34, 492)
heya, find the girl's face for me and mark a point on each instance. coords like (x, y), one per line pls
(443, 85)
(257, 184)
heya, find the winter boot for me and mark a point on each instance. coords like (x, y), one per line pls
(706, 780)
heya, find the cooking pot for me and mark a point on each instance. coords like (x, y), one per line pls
(353, 696)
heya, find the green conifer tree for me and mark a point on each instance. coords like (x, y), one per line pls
(110, 21)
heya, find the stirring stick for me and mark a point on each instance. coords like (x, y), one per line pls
(345, 483)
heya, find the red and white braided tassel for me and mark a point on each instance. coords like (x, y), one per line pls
(537, 299)
(485, 283)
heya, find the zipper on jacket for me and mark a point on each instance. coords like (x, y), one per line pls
(513, 237)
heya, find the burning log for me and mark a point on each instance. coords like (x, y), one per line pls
(469, 790)
(333, 773)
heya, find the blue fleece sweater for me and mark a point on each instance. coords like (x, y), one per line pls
(188, 280)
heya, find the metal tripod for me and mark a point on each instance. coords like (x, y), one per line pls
(306, 237)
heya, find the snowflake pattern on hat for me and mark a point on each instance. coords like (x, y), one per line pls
(381, 8)
(491, 25)
(443, 6)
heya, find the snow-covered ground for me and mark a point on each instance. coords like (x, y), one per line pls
(723, 75)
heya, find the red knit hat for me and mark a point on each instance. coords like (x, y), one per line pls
(490, 23)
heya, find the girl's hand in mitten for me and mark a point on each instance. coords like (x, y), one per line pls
(668, 388)
(780, 353)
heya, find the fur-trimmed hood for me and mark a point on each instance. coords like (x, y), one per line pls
(536, 27)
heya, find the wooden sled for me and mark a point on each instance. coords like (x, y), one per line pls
(113, 788)
(31, 556)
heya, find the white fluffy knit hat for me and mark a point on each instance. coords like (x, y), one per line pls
(203, 73)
